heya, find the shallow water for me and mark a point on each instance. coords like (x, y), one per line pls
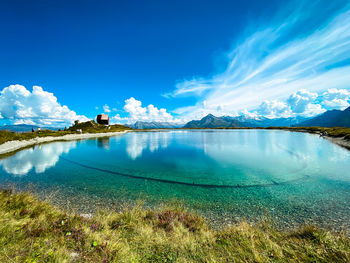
(227, 175)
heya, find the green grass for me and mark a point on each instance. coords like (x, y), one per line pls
(35, 231)
(332, 132)
(12, 136)
(86, 127)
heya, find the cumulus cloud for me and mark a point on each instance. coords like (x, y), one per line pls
(117, 118)
(305, 103)
(36, 107)
(300, 100)
(136, 112)
(280, 58)
(273, 109)
(336, 99)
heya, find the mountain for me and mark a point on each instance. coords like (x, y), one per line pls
(267, 122)
(210, 121)
(331, 118)
(153, 125)
(24, 128)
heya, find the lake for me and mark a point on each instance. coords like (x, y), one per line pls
(225, 175)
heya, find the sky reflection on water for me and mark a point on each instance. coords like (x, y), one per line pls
(296, 177)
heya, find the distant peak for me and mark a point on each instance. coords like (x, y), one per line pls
(210, 116)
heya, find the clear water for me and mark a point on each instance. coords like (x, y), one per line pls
(227, 175)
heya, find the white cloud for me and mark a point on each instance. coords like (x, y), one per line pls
(149, 113)
(148, 141)
(275, 61)
(274, 109)
(300, 100)
(118, 118)
(41, 158)
(305, 103)
(336, 99)
(37, 107)
(106, 108)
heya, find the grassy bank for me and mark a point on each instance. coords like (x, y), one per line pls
(35, 231)
(86, 127)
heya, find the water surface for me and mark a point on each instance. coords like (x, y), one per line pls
(227, 175)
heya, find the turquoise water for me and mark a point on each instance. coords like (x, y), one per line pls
(226, 175)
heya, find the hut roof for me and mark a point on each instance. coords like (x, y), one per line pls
(104, 117)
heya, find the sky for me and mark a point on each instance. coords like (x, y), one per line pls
(171, 60)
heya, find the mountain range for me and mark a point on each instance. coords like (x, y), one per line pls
(24, 128)
(211, 121)
(332, 118)
(153, 125)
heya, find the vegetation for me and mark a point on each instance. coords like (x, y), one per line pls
(35, 231)
(12, 136)
(94, 127)
(332, 132)
(86, 127)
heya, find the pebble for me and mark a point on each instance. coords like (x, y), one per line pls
(87, 216)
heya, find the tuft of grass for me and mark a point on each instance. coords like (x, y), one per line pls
(35, 231)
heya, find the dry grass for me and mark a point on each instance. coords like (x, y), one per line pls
(35, 231)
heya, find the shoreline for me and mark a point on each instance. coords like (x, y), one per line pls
(339, 141)
(12, 146)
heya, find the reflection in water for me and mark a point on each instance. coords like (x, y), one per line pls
(103, 143)
(234, 156)
(39, 157)
(152, 141)
(308, 178)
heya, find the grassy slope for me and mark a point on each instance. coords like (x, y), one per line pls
(34, 231)
(87, 127)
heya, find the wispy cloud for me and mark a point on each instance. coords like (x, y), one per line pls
(106, 108)
(276, 61)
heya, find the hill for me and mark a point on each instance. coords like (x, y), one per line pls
(24, 128)
(332, 118)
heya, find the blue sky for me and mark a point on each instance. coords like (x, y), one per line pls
(171, 60)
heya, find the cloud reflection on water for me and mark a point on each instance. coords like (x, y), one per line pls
(152, 141)
(39, 157)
